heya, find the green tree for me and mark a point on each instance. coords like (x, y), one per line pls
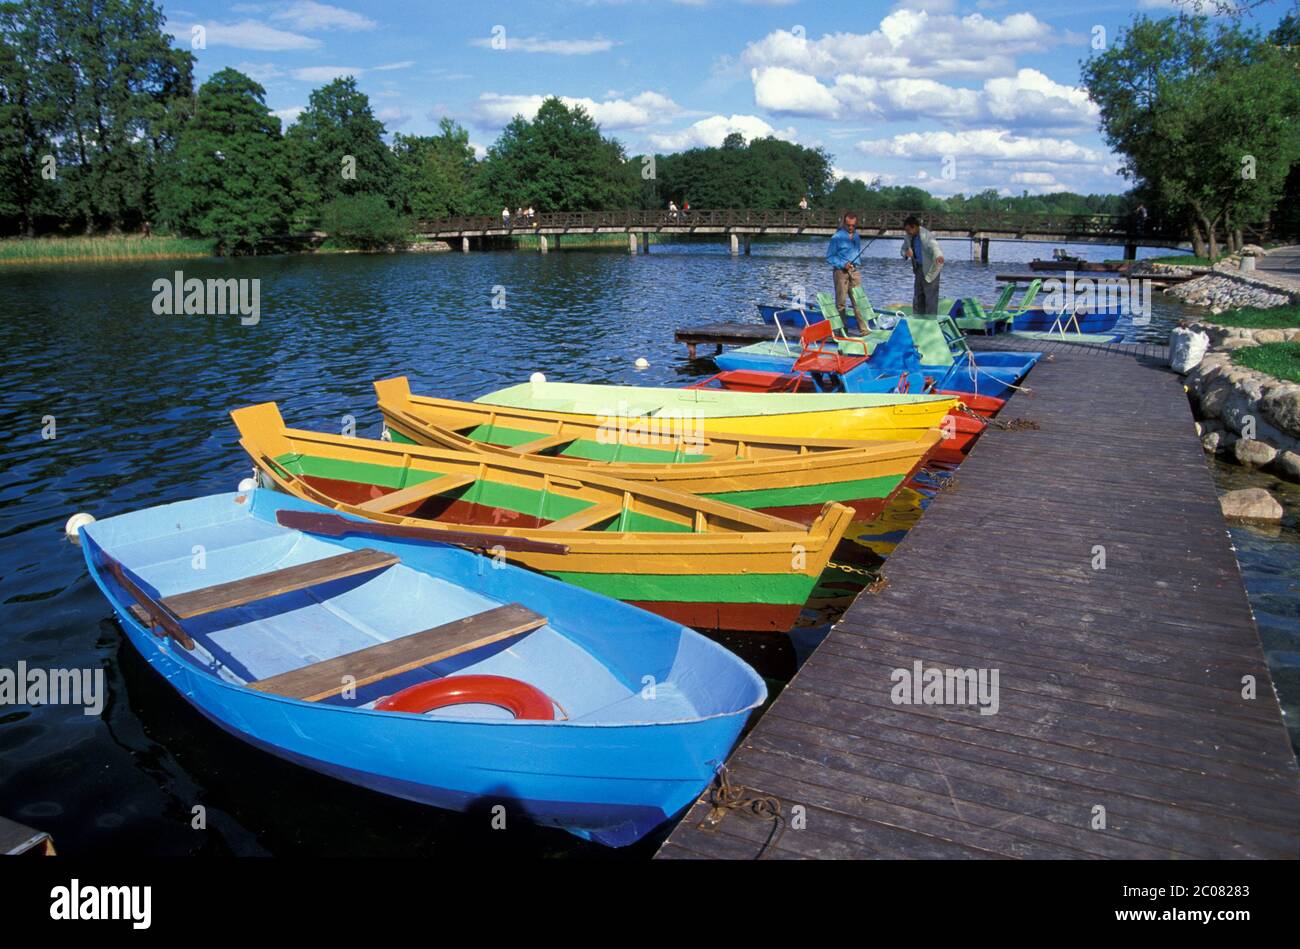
(336, 148)
(228, 178)
(115, 77)
(364, 221)
(557, 162)
(1186, 106)
(437, 172)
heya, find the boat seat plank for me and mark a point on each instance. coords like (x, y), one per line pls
(224, 596)
(416, 492)
(581, 520)
(321, 680)
(541, 444)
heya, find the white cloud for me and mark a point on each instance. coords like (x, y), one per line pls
(909, 43)
(260, 72)
(325, 73)
(540, 44)
(784, 90)
(290, 115)
(646, 108)
(245, 34)
(328, 73)
(990, 144)
(393, 117)
(710, 132)
(309, 15)
(1028, 98)
(866, 177)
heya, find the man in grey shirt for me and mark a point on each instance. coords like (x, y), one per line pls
(920, 247)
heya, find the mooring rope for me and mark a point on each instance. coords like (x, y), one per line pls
(1012, 425)
(725, 796)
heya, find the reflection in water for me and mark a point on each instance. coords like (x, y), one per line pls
(140, 406)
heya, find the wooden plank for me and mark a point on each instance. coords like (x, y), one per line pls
(416, 492)
(1118, 687)
(224, 596)
(581, 520)
(335, 525)
(321, 680)
(541, 444)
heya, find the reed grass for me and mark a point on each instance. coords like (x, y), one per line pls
(106, 248)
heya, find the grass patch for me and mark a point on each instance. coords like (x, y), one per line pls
(1184, 260)
(1277, 359)
(57, 250)
(1273, 318)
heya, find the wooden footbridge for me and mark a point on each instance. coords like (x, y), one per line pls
(739, 227)
(1086, 562)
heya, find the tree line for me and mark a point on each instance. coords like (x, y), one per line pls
(1204, 116)
(103, 130)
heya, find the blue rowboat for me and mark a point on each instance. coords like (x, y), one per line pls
(294, 602)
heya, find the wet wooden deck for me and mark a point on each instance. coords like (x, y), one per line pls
(1120, 689)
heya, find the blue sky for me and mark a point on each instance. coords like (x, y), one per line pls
(951, 95)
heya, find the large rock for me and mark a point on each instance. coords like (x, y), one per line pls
(1253, 453)
(1186, 347)
(1282, 407)
(1250, 504)
(1287, 464)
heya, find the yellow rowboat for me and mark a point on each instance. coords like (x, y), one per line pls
(868, 415)
(786, 477)
(701, 562)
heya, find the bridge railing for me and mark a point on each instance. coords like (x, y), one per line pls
(972, 222)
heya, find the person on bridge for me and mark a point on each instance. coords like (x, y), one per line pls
(920, 247)
(842, 254)
(505, 217)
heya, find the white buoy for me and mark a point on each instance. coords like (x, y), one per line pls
(642, 363)
(248, 484)
(537, 378)
(385, 435)
(76, 522)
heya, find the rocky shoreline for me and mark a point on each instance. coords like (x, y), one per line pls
(1243, 415)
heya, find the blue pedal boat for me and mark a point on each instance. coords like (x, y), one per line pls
(321, 638)
(796, 317)
(916, 345)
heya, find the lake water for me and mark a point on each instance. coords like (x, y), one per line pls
(140, 401)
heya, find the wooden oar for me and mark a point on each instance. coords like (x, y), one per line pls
(334, 525)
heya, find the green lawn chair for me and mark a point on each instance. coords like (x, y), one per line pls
(847, 344)
(975, 318)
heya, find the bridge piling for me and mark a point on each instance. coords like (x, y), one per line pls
(464, 245)
(735, 244)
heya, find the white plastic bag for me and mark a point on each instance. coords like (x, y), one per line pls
(1186, 349)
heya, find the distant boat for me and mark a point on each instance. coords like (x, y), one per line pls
(406, 667)
(1070, 262)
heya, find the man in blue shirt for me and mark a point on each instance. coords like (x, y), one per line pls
(842, 254)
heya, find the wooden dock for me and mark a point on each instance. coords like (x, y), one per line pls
(727, 334)
(1121, 731)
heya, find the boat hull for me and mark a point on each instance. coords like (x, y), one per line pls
(792, 479)
(859, 416)
(608, 782)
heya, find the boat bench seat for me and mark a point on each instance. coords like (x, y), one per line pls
(404, 497)
(327, 678)
(224, 596)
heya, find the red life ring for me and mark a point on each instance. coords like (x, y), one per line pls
(518, 698)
